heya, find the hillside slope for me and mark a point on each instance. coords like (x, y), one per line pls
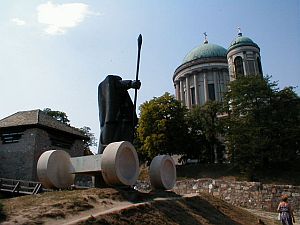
(124, 206)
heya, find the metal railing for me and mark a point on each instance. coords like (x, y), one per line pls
(20, 186)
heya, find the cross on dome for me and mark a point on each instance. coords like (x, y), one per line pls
(205, 38)
(240, 34)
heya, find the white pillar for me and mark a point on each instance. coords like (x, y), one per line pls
(177, 90)
(181, 92)
(244, 65)
(188, 97)
(217, 97)
(205, 88)
(197, 100)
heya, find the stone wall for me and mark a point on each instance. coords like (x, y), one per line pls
(255, 195)
(14, 157)
(18, 160)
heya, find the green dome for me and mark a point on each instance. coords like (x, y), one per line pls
(205, 51)
(242, 41)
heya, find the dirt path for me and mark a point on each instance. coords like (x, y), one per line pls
(270, 215)
(82, 216)
(122, 206)
(118, 207)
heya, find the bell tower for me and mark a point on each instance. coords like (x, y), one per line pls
(243, 57)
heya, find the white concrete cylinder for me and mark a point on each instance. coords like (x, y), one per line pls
(163, 172)
(120, 164)
(54, 169)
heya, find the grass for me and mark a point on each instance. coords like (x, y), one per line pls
(275, 175)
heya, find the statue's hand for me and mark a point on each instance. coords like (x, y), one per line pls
(136, 84)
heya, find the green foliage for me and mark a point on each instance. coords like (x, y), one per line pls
(263, 123)
(2, 214)
(162, 127)
(58, 115)
(90, 142)
(63, 118)
(205, 128)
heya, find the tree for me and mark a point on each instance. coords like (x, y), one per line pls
(63, 118)
(2, 213)
(162, 127)
(91, 142)
(205, 128)
(263, 123)
(197, 140)
(58, 115)
(285, 126)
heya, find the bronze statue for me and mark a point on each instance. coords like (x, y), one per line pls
(116, 111)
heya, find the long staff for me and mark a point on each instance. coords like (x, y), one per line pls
(140, 40)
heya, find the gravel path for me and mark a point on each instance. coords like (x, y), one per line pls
(272, 215)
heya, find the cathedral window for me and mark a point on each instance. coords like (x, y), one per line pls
(211, 92)
(193, 97)
(238, 66)
(259, 66)
(251, 67)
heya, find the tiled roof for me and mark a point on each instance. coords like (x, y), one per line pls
(37, 118)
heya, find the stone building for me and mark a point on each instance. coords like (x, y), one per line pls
(207, 69)
(26, 135)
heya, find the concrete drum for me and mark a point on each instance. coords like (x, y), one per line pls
(54, 169)
(163, 172)
(120, 164)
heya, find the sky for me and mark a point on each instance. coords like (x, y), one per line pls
(53, 54)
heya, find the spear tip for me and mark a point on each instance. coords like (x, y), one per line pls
(140, 40)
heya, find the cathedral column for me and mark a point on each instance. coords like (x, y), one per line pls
(177, 90)
(187, 88)
(197, 100)
(181, 91)
(244, 66)
(216, 85)
(205, 88)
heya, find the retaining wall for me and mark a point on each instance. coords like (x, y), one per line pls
(253, 195)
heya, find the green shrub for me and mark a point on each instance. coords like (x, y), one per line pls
(2, 214)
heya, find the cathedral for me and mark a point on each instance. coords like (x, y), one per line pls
(207, 69)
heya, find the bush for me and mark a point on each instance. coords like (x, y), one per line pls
(2, 214)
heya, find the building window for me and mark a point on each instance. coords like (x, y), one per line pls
(251, 67)
(259, 66)
(211, 92)
(238, 66)
(61, 140)
(9, 138)
(193, 97)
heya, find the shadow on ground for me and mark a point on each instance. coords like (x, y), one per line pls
(203, 210)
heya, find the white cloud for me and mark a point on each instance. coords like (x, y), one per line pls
(18, 21)
(60, 17)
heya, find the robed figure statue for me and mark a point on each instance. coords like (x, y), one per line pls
(116, 111)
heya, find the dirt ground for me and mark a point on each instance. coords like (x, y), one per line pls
(125, 206)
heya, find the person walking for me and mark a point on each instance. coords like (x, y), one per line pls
(286, 211)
